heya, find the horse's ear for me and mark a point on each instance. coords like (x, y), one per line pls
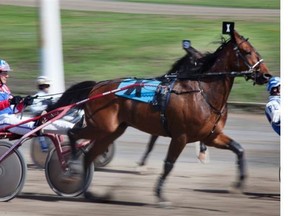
(228, 28)
(186, 44)
(236, 37)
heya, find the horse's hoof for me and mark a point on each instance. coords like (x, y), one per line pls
(140, 163)
(202, 158)
(96, 198)
(69, 178)
(142, 170)
(88, 195)
(237, 188)
(164, 204)
(161, 201)
(76, 167)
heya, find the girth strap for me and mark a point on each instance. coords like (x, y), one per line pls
(161, 100)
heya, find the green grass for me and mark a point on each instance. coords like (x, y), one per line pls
(100, 46)
(268, 4)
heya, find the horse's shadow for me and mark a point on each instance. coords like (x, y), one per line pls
(109, 170)
(104, 200)
(251, 195)
(91, 198)
(266, 196)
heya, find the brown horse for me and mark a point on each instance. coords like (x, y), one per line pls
(193, 112)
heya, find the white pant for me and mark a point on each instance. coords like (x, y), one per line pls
(58, 126)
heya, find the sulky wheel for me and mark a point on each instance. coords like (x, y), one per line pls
(56, 176)
(12, 173)
(37, 154)
(105, 158)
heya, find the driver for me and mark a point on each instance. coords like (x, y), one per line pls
(272, 109)
(8, 113)
(43, 99)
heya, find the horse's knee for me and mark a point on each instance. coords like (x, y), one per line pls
(72, 133)
(236, 148)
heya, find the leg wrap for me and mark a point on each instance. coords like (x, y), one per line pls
(203, 147)
(168, 166)
(239, 151)
(72, 144)
(236, 148)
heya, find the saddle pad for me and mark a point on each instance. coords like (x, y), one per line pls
(140, 93)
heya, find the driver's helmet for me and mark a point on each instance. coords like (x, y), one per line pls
(4, 66)
(43, 80)
(273, 83)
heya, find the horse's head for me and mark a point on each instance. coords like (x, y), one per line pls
(251, 60)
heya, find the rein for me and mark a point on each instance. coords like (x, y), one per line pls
(209, 74)
(59, 93)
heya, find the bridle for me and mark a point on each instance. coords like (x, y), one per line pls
(251, 68)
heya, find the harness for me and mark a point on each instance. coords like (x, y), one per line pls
(161, 100)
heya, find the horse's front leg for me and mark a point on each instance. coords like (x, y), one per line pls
(175, 148)
(224, 142)
(239, 151)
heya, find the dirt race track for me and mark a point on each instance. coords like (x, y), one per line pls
(193, 188)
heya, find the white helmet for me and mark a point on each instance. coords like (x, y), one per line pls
(273, 83)
(4, 66)
(43, 80)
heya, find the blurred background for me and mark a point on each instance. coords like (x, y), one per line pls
(101, 44)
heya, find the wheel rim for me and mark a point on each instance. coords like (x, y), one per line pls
(12, 174)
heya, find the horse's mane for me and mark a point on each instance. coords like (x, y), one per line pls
(75, 93)
(183, 65)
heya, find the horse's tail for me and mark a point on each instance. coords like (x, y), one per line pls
(75, 93)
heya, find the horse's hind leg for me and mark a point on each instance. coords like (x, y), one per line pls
(224, 142)
(78, 133)
(99, 146)
(202, 152)
(101, 143)
(149, 148)
(75, 165)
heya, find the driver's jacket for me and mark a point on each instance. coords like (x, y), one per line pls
(5, 95)
(272, 111)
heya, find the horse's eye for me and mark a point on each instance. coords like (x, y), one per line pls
(247, 52)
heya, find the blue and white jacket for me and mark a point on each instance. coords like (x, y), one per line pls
(272, 111)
